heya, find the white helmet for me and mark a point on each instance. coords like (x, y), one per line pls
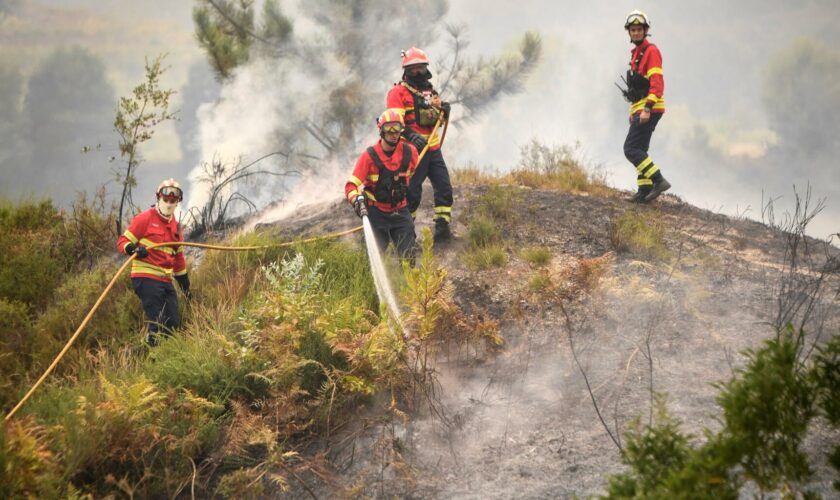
(637, 17)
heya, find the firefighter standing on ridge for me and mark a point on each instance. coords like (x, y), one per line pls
(421, 106)
(153, 269)
(379, 185)
(645, 91)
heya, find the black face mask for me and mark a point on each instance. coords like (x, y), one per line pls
(420, 81)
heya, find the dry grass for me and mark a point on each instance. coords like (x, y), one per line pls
(537, 256)
(486, 257)
(633, 232)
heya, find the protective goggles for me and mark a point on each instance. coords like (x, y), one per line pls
(635, 20)
(171, 194)
(390, 128)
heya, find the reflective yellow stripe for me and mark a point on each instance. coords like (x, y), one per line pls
(644, 182)
(653, 71)
(146, 268)
(355, 180)
(443, 210)
(647, 161)
(147, 243)
(181, 273)
(652, 170)
(352, 195)
(128, 234)
(370, 195)
(373, 178)
(658, 103)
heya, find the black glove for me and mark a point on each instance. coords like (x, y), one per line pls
(416, 139)
(139, 250)
(184, 282)
(445, 107)
(359, 206)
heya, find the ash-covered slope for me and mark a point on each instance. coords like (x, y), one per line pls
(672, 317)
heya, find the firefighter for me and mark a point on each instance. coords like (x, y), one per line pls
(378, 187)
(421, 106)
(153, 269)
(646, 87)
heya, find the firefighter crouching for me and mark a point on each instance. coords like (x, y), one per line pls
(153, 269)
(378, 187)
(646, 87)
(419, 102)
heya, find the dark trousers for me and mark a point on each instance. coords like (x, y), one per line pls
(396, 227)
(636, 147)
(160, 304)
(434, 167)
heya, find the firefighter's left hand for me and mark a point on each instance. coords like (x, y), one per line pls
(445, 108)
(644, 116)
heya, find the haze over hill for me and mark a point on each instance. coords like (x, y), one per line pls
(734, 125)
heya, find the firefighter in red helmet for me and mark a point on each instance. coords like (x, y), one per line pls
(421, 106)
(378, 187)
(153, 269)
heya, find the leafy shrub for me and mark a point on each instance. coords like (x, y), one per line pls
(114, 323)
(32, 260)
(766, 411)
(767, 408)
(27, 466)
(204, 361)
(136, 438)
(631, 232)
(15, 347)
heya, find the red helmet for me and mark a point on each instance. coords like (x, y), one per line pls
(391, 115)
(414, 56)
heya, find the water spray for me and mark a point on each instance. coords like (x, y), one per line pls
(377, 269)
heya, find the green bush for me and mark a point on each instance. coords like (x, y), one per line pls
(31, 259)
(115, 323)
(15, 348)
(28, 468)
(135, 439)
(208, 364)
(767, 408)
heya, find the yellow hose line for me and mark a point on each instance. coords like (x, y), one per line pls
(84, 323)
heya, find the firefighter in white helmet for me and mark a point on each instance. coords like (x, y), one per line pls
(153, 270)
(646, 88)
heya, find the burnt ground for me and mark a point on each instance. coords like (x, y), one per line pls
(520, 422)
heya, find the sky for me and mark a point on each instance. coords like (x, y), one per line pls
(717, 144)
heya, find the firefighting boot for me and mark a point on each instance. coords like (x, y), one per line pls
(442, 231)
(659, 186)
(639, 196)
